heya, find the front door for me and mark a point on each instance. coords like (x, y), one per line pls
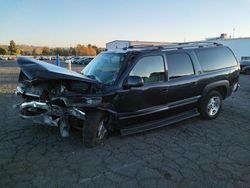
(138, 103)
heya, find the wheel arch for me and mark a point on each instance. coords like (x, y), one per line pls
(221, 86)
(112, 115)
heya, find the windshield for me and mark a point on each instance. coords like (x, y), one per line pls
(105, 67)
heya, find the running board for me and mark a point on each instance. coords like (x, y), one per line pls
(137, 128)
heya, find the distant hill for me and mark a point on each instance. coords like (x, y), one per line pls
(23, 47)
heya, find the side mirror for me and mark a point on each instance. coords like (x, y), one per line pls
(134, 81)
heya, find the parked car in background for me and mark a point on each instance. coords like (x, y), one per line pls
(245, 58)
(36, 57)
(53, 58)
(84, 60)
(44, 58)
(245, 66)
(3, 58)
(75, 59)
(87, 60)
(80, 61)
(12, 58)
(131, 90)
(67, 58)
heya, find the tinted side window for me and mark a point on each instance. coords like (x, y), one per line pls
(179, 65)
(150, 68)
(215, 58)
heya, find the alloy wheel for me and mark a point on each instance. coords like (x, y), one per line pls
(213, 106)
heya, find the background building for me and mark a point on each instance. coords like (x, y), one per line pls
(120, 44)
(240, 46)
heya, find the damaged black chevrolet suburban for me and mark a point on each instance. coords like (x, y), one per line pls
(131, 90)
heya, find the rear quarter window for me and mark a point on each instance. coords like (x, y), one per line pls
(215, 58)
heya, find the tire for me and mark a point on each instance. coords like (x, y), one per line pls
(94, 129)
(210, 106)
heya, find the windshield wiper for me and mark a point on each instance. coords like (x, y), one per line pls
(93, 77)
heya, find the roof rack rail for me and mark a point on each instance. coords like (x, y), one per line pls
(174, 46)
(142, 46)
(189, 45)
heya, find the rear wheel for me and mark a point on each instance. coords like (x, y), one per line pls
(210, 106)
(95, 128)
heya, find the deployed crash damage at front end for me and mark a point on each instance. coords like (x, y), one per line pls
(51, 95)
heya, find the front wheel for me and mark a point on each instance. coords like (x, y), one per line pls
(95, 128)
(210, 106)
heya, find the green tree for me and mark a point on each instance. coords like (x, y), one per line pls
(34, 52)
(72, 51)
(27, 52)
(58, 51)
(98, 49)
(91, 51)
(46, 51)
(85, 50)
(19, 52)
(12, 47)
(52, 52)
(66, 52)
(37, 51)
(3, 51)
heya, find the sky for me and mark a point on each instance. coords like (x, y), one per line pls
(64, 23)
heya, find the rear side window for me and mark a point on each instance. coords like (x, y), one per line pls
(215, 58)
(150, 68)
(179, 65)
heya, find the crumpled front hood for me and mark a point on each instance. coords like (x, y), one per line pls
(38, 70)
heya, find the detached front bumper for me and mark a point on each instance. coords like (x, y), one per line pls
(51, 113)
(46, 113)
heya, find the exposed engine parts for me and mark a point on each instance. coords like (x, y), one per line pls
(49, 114)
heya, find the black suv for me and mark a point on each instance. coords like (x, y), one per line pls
(131, 90)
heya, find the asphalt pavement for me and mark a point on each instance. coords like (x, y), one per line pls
(192, 153)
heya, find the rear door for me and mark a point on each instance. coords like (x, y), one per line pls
(182, 79)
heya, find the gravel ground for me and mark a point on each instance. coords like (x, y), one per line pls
(193, 153)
